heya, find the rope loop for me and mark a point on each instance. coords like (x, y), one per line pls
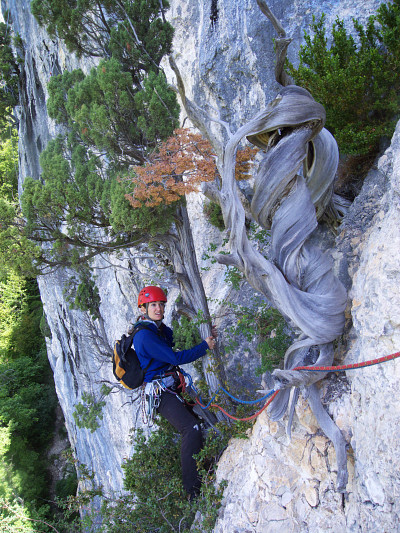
(273, 393)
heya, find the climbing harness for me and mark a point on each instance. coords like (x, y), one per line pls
(151, 393)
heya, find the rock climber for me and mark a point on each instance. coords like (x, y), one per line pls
(162, 379)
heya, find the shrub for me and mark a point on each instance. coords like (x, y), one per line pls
(157, 500)
(213, 213)
(357, 79)
(268, 325)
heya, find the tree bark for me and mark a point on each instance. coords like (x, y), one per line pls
(188, 275)
(292, 188)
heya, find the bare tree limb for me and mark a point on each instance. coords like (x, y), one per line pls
(196, 114)
(281, 45)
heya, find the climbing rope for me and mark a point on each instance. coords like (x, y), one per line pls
(244, 419)
(272, 394)
(221, 389)
(342, 368)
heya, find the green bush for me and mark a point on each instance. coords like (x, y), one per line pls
(88, 413)
(268, 325)
(356, 79)
(67, 486)
(27, 395)
(213, 213)
(82, 293)
(186, 333)
(274, 339)
(157, 500)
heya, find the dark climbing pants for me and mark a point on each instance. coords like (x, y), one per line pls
(187, 424)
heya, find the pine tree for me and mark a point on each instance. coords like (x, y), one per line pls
(355, 78)
(114, 117)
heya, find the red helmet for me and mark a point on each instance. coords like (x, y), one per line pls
(151, 294)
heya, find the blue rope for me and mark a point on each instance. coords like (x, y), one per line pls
(247, 402)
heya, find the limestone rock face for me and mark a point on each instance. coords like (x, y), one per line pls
(277, 485)
(374, 391)
(229, 63)
(274, 485)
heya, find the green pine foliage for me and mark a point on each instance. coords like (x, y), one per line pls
(105, 110)
(82, 293)
(154, 34)
(158, 108)
(114, 116)
(156, 499)
(9, 164)
(357, 79)
(9, 77)
(104, 28)
(88, 413)
(16, 251)
(89, 198)
(16, 517)
(27, 395)
(144, 478)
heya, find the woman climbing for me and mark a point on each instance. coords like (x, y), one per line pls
(153, 346)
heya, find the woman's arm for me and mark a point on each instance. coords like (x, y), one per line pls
(149, 345)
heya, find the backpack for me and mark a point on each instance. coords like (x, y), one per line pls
(126, 365)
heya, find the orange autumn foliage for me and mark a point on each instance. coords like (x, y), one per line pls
(179, 165)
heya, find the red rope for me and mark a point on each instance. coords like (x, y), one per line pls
(349, 367)
(310, 368)
(240, 419)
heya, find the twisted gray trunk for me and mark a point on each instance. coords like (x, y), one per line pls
(298, 279)
(188, 276)
(293, 185)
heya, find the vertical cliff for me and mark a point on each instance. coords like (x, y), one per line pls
(225, 53)
(290, 484)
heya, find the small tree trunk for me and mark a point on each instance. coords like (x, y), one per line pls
(193, 294)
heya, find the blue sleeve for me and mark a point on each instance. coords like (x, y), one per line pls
(149, 345)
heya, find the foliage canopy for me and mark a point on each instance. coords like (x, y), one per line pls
(9, 76)
(113, 117)
(27, 395)
(133, 32)
(357, 79)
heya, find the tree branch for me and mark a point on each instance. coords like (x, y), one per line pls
(196, 114)
(281, 45)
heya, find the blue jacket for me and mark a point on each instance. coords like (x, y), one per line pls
(150, 344)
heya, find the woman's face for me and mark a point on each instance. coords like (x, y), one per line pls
(155, 310)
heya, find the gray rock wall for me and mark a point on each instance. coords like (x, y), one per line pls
(289, 486)
(229, 65)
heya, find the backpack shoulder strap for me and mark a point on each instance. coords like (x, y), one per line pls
(141, 326)
(138, 327)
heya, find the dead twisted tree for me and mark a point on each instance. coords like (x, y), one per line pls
(293, 186)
